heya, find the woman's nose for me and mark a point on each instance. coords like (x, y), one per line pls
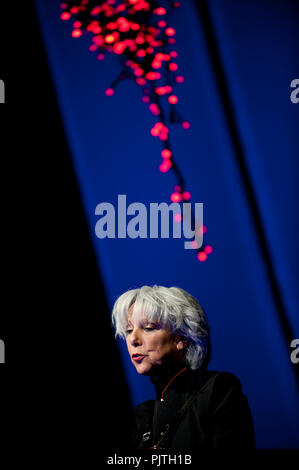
(135, 338)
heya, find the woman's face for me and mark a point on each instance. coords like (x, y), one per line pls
(151, 346)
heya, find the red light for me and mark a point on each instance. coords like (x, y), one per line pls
(65, 15)
(109, 92)
(145, 99)
(138, 72)
(202, 256)
(173, 99)
(173, 66)
(160, 11)
(179, 79)
(154, 109)
(135, 26)
(77, 24)
(141, 53)
(111, 25)
(97, 30)
(186, 195)
(176, 197)
(93, 47)
(109, 38)
(156, 64)
(76, 33)
(171, 41)
(160, 90)
(202, 229)
(208, 249)
(74, 10)
(96, 11)
(170, 31)
(140, 81)
(166, 153)
(139, 40)
(165, 166)
(153, 75)
(101, 56)
(162, 24)
(186, 125)
(173, 54)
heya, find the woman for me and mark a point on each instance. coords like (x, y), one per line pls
(167, 335)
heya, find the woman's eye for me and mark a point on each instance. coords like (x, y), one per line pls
(149, 328)
(128, 332)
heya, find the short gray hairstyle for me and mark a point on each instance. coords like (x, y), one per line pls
(172, 308)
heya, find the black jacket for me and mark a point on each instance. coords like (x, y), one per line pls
(200, 410)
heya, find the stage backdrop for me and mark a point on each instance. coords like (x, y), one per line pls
(243, 112)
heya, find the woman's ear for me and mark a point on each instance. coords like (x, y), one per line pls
(181, 343)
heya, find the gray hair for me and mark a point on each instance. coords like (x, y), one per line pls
(172, 308)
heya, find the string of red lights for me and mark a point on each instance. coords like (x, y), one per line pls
(138, 31)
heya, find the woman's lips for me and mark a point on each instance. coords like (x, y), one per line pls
(138, 357)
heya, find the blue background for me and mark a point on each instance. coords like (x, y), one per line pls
(113, 153)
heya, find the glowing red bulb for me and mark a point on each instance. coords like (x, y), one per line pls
(139, 40)
(77, 24)
(173, 99)
(135, 26)
(162, 24)
(186, 195)
(186, 125)
(202, 229)
(76, 33)
(202, 256)
(173, 66)
(179, 79)
(145, 99)
(96, 11)
(109, 39)
(65, 15)
(160, 11)
(176, 197)
(74, 10)
(138, 72)
(165, 166)
(140, 81)
(166, 153)
(170, 31)
(101, 56)
(153, 75)
(173, 54)
(109, 92)
(156, 64)
(208, 249)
